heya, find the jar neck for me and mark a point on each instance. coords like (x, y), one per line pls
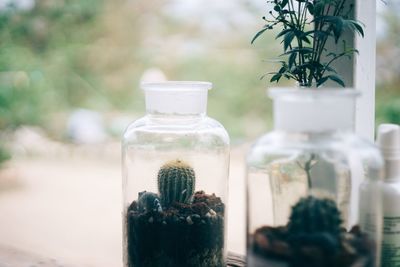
(175, 117)
(314, 136)
(176, 101)
(314, 111)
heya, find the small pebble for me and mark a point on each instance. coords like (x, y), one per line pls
(164, 222)
(151, 220)
(212, 212)
(189, 220)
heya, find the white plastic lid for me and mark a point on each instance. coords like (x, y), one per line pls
(314, 110)
(389, 143)
(176, 97)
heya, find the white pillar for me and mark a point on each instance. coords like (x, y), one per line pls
(365, 64)
(359, 72)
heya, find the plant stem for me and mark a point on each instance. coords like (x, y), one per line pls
(300, 41)
(308, 172)
(307, 168)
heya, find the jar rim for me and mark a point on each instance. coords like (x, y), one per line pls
(278, 92)
(176, 86)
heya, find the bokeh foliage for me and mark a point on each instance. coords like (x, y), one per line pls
(65, 54)
(388, 69)
(42, 60)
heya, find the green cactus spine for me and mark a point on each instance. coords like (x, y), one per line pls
(315, 215)
(176, 183)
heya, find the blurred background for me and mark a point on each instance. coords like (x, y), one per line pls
(69, 85)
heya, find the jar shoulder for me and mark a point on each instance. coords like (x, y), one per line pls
(281, 144)
(204, 127)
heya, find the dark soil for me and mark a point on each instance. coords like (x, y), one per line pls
(183, 235)
(350, 249)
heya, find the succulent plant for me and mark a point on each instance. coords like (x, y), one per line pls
(315, 215)
(176, 182)
(148, 201)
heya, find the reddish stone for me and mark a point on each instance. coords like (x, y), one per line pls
(200, 208)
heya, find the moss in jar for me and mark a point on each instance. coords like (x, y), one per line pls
(177, 227)
(313, 237)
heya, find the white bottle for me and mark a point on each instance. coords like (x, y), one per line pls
(389, 143)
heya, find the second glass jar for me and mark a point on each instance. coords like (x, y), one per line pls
(311, 185)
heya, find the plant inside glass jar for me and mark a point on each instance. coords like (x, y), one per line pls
(314, 235)
(305, 28)
(178, 226)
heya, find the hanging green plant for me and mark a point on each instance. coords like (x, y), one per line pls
(305, 27)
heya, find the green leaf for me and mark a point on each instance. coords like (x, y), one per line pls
(321, 81)
(304, 51)
(305, 39)
(263, 76)
(283, 33)
(276, 77)
(330, 69)
(292, 60)
(355, 26)
(359, 29)
(337, 29)
(266, 27)
(337, 79)
(326, 18)
(318, 8)
(310, 8)
(317, 34)
(287, 40)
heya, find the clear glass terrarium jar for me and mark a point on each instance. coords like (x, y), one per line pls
(175, 180)
(312, 185)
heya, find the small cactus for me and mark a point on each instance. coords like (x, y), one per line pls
(315, 215)
(176, 182)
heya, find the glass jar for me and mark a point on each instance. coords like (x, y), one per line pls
(175, 180)
(312, 185)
